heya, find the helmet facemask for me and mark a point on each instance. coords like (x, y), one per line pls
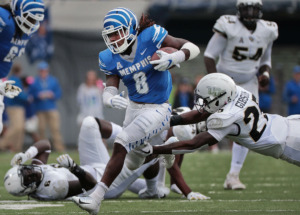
(249, 14)
(210, 103)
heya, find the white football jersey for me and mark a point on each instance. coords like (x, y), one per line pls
(244, 49)
(55, 184)
(243, 122)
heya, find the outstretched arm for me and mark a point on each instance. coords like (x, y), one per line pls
(186, 146)
(38, 152)
(190, 117)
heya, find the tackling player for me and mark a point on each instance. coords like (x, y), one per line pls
(18, 20)
(243, 44)
(233, 112)
(131, 43)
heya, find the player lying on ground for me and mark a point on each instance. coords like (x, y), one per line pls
(39, 179)
(233, 112)
(31, 179)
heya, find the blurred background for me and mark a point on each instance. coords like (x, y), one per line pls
(70, 41)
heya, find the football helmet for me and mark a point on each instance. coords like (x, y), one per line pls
(123, 23)
(249, 11)
(23, 179)
(28, 14)
(214, 91)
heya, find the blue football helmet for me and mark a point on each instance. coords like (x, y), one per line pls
(28, 14)
(120, 22)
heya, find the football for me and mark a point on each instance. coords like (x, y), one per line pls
(165, 49)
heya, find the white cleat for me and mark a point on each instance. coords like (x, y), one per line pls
(233, 182)
(175, 189)
(163, 190)
(147, 194)
(87, 203)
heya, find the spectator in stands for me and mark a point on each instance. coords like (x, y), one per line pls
(291, 93)
(46, 91)
(265, 96)
(89, 97)
(13, 138)
(31, 119)
(184, 96)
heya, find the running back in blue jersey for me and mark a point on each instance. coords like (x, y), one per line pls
(144, 83)
(10, 47)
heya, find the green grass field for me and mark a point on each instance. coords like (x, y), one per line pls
(273, 187)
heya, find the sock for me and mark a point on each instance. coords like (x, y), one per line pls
(151, 184)
(99, 192)
(239, 154)
(161, 175)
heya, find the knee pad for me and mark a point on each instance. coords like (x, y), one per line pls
(89, 122)
(134, 160)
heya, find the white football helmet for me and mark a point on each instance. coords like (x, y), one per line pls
(249, 11)
(214, 91)
(23, 180)
(183, 132)
(28, 14)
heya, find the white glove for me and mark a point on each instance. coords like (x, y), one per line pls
(196, 196)
(8, 89)
(118, 101)
(145, 150)
(167, 60)
(18, 159)
(66, 161)
(168, 159)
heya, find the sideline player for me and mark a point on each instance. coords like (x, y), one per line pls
(131, 43)
(18, 20)
(233, 112)
(243, 44)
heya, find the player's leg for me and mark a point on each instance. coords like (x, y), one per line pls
(144, 121)
(239, 153)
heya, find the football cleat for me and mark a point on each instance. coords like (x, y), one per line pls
(148, 194)
(163, 190)
(88, 204)
(233, 182)
(175, 189)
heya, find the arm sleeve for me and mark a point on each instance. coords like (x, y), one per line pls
(215, 46)
(220, 133)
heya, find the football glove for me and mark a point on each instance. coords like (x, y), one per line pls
(118, 101)
(196, 196)
(66, 161)
(145, 150)
(167, 60)
(8, 89)
(18, 159)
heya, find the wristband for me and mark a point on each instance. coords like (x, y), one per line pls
(31, 152)
(265, 73)
(193, 49)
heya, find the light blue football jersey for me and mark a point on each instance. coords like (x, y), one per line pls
(10, 47)
(144, 83)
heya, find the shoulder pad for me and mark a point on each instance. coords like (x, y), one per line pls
(271, 27)
(154, 34)
(223, 23)
(106, 61)
(220, 120)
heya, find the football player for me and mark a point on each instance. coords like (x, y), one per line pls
(48, 182)
(131, 44)
(18, 20)
(233, 112)
(243, 44)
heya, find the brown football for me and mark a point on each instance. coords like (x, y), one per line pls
(165, 49)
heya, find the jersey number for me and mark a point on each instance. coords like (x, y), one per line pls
(141, 84)
(13, 52)
(237, 55)
(255, 135)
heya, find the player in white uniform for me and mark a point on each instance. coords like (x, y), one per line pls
(48, 182)
(233, 112)
(243, 44)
